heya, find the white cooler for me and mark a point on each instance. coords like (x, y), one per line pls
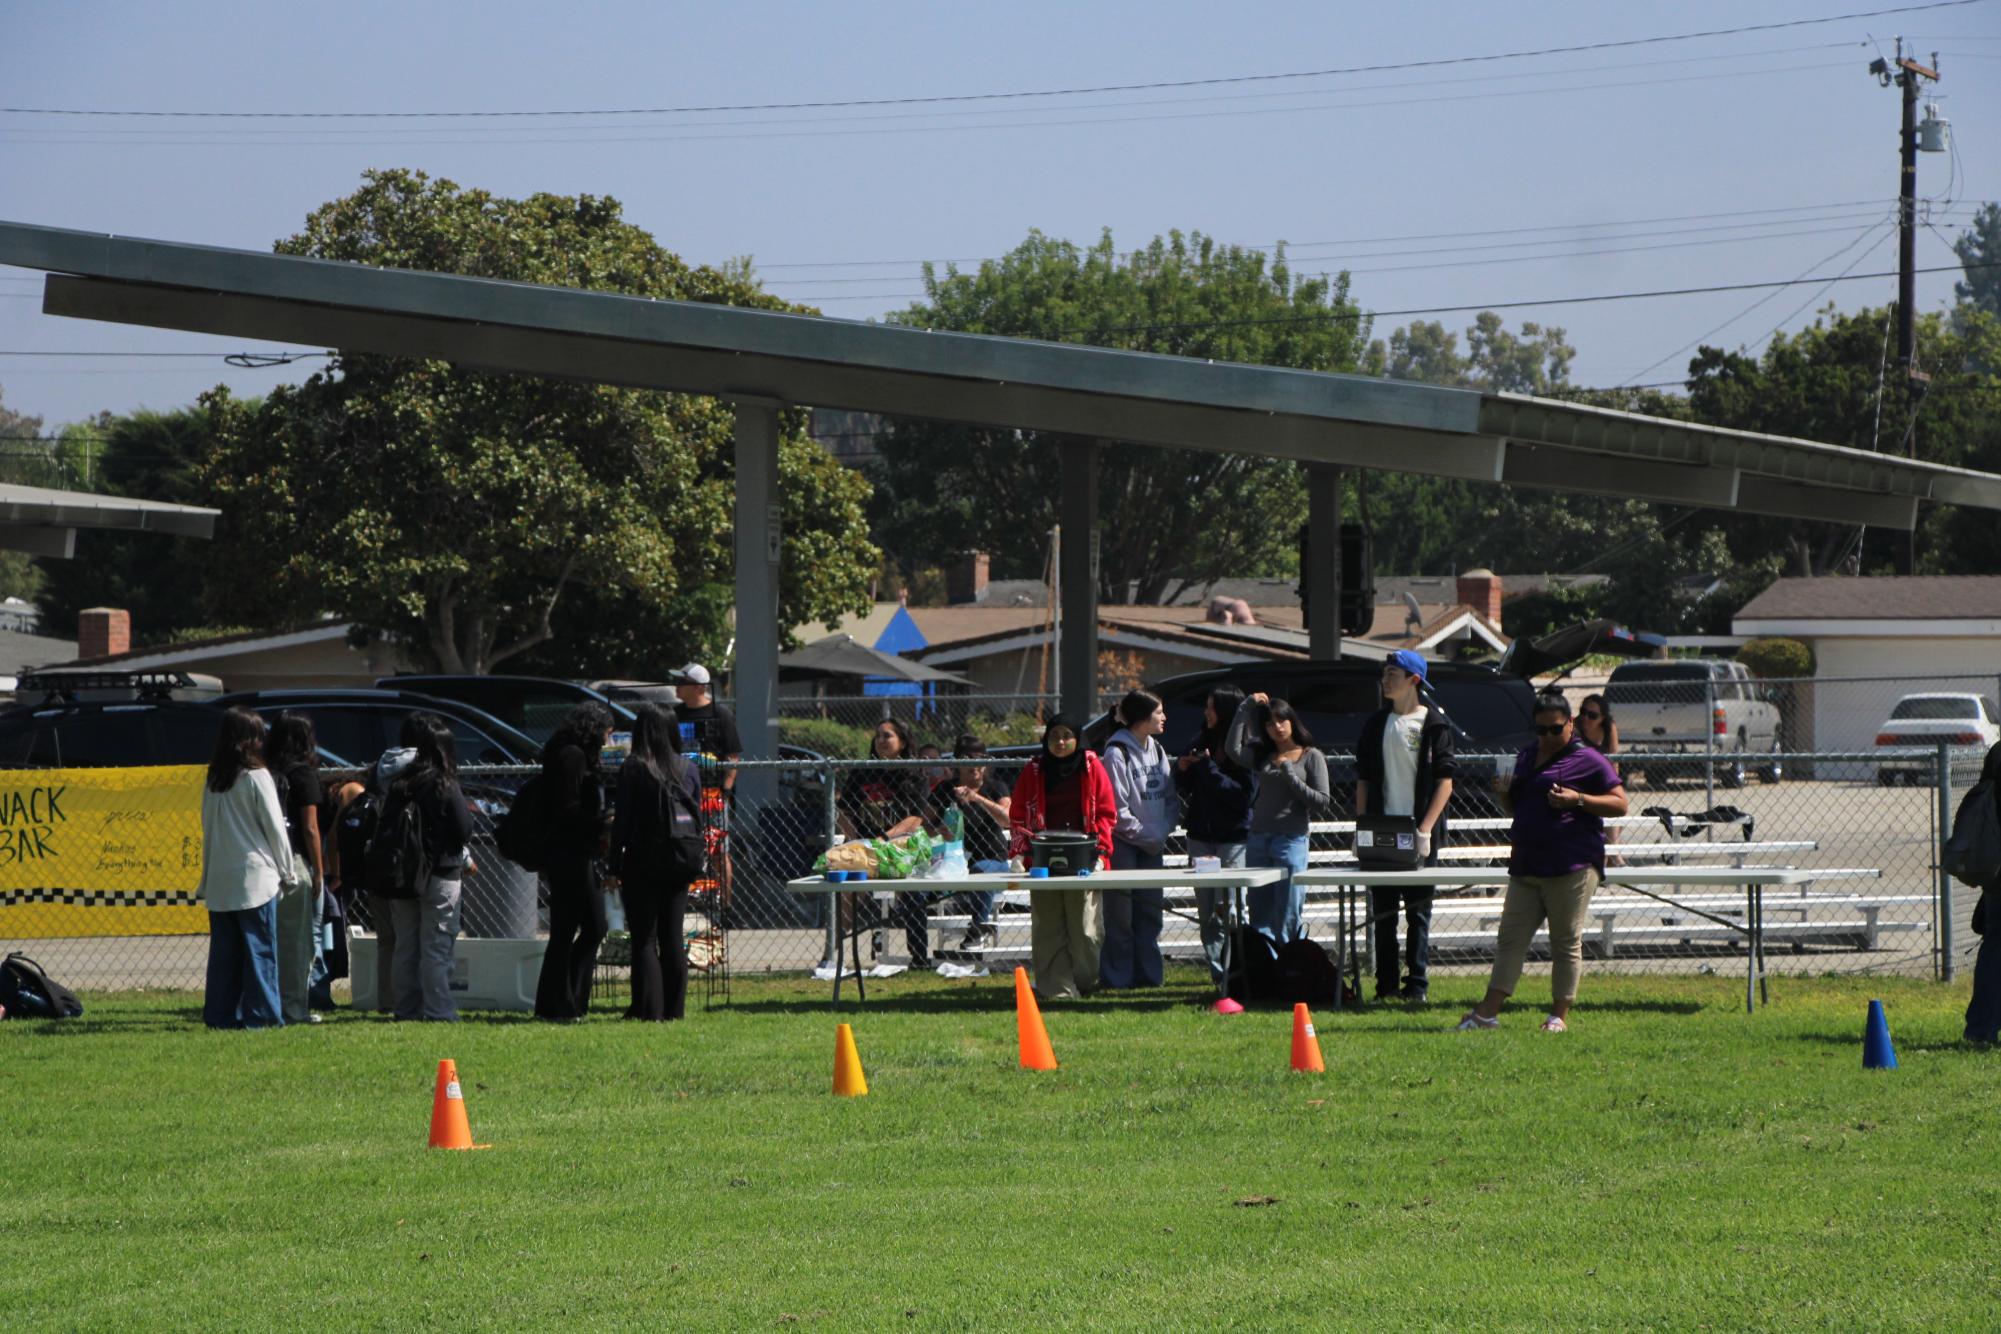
(486, 974)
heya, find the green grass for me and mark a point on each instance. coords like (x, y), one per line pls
(1670, 1162)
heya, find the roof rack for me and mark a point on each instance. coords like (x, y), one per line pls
(67, 685)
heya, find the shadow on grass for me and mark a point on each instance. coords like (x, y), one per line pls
(1928, 1045)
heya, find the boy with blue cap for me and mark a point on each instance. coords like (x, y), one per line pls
(1404, 766)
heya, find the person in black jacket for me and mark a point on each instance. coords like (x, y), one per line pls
(293, 756)
(1217, 797)
(1983, 1011)
(578, 820)
(1404, 766)
(427, 927)
(658, 805)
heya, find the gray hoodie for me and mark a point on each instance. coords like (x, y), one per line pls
(1143, 789)
(1290, 796)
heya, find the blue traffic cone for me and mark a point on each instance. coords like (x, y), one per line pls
(1877, 1053)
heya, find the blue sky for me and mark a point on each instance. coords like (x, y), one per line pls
(1732, 159)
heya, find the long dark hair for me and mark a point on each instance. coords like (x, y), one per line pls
(904, 750)
(437, 757)
(1605, 719)
(1137, 707)
(1283, 712)
(291, 742)
(655, 746)
(1225, 699)
(583, 727)
(239, 745)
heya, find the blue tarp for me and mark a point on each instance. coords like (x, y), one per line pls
(900, 636)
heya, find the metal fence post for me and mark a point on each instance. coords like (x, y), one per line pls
(1944, 879)
(1709, 731)
(831, 810)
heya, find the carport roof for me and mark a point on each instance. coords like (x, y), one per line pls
(1089, 392)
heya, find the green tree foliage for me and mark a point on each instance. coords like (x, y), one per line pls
(171, 585)
(1979, 251)
(489, 519)
(1781, 659)
(1168, 519)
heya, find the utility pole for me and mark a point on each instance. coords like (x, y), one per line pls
(1907, 74)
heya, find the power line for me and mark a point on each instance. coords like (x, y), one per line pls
(1383, 68)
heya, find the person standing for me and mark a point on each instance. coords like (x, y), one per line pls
(358, 824)
(427, 925)
(246, 862)
(293, 757)
(1561, 793)
(1142, 778)
(659, 804)
(578, 822)
(982, 802)
(707, 736)
(1063, 787)
(1268, 738)
(1404, 765)
(1217, 796)
(1983, 1010)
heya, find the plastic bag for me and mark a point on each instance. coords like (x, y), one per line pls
(899, 859)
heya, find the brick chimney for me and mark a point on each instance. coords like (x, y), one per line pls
(1481, 590)
(102, 632)
(967, 579)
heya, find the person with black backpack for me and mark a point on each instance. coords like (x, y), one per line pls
(1983, 1011)
(417, 859)
(573, 810)
(656, 852)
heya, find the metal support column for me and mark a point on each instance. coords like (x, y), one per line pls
(1322, 576)
(1077, 581)
(754, 680)
(1945, 905)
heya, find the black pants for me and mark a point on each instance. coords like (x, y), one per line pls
(657, 918)
(1416, 904)
(913, 913)
(577, 926)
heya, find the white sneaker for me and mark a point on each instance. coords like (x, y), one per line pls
(1554, 1025)
(1474, 1023)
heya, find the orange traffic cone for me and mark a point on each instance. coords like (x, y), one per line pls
(449, 1128)
(849, 1081)
(1305, 1045)
(1036, 1053)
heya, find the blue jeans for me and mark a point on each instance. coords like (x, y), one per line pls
(242, 988)
(980, 902)
(1212, 906)
(1983, 1012)
(1278, 911)
(1130, 956)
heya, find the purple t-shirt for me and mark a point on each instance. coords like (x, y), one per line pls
(1548, 841)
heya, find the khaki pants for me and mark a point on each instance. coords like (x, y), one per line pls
(1065, 928)
(1563, 901)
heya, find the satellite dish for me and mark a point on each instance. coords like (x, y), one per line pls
(1413, 614)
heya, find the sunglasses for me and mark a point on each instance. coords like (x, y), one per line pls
(1552, 729)
(1592, 714)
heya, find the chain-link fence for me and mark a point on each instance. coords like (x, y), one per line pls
(840, 725)
(1868, 823)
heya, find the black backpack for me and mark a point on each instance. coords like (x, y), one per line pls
(27, 992)
(677, 848)
(522, 832)
(397, 864)
(1972, 855)
(354, 827)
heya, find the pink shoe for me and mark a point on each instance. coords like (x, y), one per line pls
(1227, 1006)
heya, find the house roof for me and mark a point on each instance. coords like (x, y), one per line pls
(1913, 598)
(19, 652)
(219, 646)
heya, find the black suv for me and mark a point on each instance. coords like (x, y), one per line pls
(532, 705)
(86, 720)
(361, 724)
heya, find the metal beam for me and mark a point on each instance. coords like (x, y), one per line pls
(1574, 470)
(1322, 576)
(754, 678)
(38, 506)
(1077, 581)
(39, 540)
(1762, 495)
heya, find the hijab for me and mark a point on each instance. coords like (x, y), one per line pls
(1062, 769)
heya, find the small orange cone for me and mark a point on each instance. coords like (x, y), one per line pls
(849, 1081)
(1305, 1044)
(449, 1128)
(1036, 1053)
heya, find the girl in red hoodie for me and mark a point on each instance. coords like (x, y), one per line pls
(1065, 787)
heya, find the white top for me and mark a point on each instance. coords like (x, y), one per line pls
(1402, 735)
(245, 856)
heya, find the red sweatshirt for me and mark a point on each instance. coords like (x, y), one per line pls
(1028, 810)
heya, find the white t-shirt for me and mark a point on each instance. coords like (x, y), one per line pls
(1402, 736)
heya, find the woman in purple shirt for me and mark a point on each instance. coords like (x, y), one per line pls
(1560, 795)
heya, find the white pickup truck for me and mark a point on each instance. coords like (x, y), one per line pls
(1693, 705)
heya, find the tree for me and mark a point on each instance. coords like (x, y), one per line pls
(22, 445)
(1167, 519)
(1979, 251)
(171, 585)
(461, 511)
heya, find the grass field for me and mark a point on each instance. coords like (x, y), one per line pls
(1670, 1162)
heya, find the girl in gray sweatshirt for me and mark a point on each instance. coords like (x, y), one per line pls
(1269, 739)
(1148, 809)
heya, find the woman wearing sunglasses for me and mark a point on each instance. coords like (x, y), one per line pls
(1596, 727)
(1560, 795)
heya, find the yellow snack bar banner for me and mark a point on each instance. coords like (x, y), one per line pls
(101, 852)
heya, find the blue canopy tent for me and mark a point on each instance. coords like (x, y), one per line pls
(901, 636)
